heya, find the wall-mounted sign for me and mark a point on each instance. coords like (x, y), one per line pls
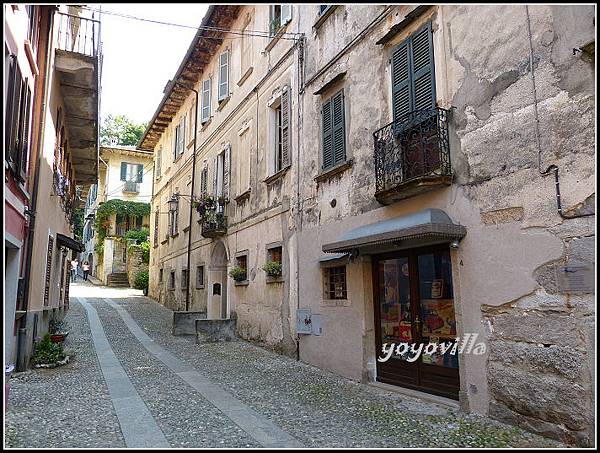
(575, 277)
(303, 321)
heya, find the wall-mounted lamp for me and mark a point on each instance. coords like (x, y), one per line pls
(454, 244)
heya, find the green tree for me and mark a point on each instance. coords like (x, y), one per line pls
(120, 130)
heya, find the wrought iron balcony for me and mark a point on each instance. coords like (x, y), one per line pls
(212, 217)
(412, 155)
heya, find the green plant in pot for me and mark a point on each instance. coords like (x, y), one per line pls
(238, 273)
(272, 268)
(48, 354)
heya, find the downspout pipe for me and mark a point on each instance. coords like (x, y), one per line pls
(552, 168)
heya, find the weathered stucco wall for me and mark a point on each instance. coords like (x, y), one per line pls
(505, 269)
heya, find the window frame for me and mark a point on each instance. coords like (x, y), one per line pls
(329, 101)
(329, 276)
(200, 283)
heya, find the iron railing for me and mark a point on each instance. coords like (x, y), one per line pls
(78, 34)
(414, 146)
(213, 219)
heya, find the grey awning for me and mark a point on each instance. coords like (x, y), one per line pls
(429, 225)
(68, 242)
(334, 259)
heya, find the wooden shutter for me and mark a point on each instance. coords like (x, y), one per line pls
(413, 77)
(227, 171)
(182, 134)
(215, 171)
(24, 140)
(156, 218)
(175, 131)
(48, 269)
(13, 144)
(204, 181)
(158, 162)
(205, 110)
(285, 127)
(326, 115)
(123, 171)
(223, 75)
(286, 13)
(12, 72)
(422, 69)
(401, 88)
(140, 172)
(339, 136)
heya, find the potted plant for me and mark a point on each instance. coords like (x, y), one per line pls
(272, 268)
(58, 330)
(238, 273)
(48, 354)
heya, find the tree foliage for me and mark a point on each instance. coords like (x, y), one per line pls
(120, 130)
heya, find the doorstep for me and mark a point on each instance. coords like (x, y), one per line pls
(453, 404)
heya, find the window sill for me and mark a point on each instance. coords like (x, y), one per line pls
(175, 235)
(245, 76)
(274, 279)
(243, 197)
(205, 124)
(223, 102)
(335, 302)
(323, 17)
(189, 144)
(331, 172)
(276, 176)
(186, 229)
(242, 283)
(276, 37)
(164, 241)
(200, 287)
(31, 58)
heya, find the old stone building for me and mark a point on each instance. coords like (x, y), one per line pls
(431, 154)
(418, 178)
(52, 57)
(125, 173)
(245, 85)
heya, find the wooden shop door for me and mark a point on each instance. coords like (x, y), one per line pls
(414, 303)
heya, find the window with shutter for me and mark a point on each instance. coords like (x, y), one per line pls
(123, 171)
(204, 181)
(140, 172)
(24, 148)
(223, 75)
(48, 269)
(334, 131)
(181, 136)
(413, 77)
(158, 162)
(227, 171)
(285, 127)
(205, 115)
(12, 150)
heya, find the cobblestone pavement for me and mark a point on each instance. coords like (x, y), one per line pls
(70, 406)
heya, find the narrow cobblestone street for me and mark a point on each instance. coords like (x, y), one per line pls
(212, 395)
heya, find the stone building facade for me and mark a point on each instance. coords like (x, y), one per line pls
(125, 173)
(245, 139)
(420, 203)
(53, 56)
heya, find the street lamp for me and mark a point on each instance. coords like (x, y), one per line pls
(173, 203)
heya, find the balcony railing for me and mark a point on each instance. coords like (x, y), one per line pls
(78, 34)
(131, 187)
(213, 219)
(412, 155)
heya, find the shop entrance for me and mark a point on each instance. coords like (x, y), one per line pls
(414, 303)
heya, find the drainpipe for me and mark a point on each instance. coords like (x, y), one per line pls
(551, 168)
(22, 334)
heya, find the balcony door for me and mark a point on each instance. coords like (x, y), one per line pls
(414, 303)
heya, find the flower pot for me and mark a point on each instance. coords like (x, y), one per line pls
(58, 337)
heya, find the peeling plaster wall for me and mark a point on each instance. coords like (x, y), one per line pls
(506, 282)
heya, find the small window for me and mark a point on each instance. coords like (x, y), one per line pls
(184, 279)
(323, 9)
(242, 261)
(172, 280)
(160, 275)
(280, 15)
(274, 254)
(132, 172)
(200, 277)
(335, 283)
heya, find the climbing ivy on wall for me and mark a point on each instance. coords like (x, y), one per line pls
(121, 208)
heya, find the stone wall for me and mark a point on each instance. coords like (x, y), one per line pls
(135, 263)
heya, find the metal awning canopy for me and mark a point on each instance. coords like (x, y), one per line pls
(426, 227)
(68, 242)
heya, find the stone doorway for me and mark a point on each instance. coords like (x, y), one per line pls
(217, 283)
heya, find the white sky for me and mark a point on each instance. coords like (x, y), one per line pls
(141, 57)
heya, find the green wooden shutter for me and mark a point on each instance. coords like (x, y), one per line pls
(24, 151)
(401, 89)
(140, 172)
(413, 77)
(339, 136)
(423, 77)
(123, 171)
(326, 115)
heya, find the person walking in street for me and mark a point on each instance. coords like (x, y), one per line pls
(74, 265)
(86, 269)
